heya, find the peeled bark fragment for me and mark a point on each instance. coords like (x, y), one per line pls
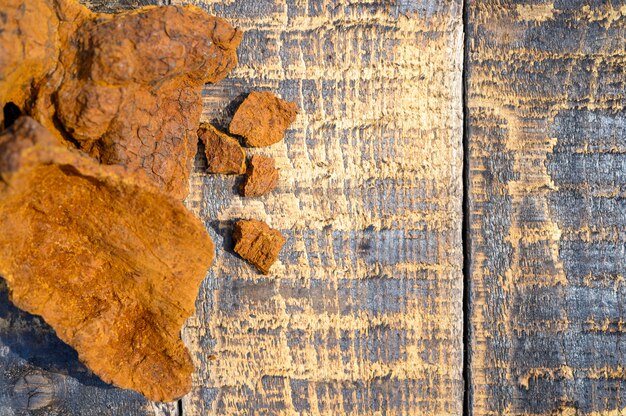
(223, 153)
(262, 119)
(257, 243)
(126, 87)
(261, 176)
(111, 263)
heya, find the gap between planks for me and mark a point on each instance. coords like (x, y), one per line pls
(466, 224)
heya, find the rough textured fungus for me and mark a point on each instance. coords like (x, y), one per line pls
(259, 244)
(261, 176)
(29, 48)
(262, 119)
(223, 153)
(126, 87)
(110, 262)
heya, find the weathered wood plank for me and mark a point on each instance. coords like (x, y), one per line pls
(363, 314)
(547, 152)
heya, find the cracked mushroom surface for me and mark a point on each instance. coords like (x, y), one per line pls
(109, 261)
(126, 87)
(29, 39)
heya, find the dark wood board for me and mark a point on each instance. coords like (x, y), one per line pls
(116, 6)
(546, 130)
(363, 313)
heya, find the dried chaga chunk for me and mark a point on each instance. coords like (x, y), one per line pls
(127, 87)
(262, 119)
(28, 50)
(110, 262)
(223, 153)
(261, 176)
(259, 244)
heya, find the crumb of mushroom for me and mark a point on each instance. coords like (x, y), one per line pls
(223, 153)
(261, 176)
(257, 243)
(262, 119)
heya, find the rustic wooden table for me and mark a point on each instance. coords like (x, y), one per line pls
(388, 300)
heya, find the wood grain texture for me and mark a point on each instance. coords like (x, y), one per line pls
(363, 312)
(547, 151)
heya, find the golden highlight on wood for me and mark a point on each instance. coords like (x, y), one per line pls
(362, 315)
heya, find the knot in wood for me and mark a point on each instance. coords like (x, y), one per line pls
(34, 391)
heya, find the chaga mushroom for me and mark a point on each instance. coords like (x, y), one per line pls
(127, 86)
(262, 119)
(223, 153)
(29, 49)
(261, 176)
(109, 261)
(257, 243)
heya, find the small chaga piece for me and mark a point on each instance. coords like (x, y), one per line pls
(262, 119)
(223, 153)
(126, 87)
(110, 262)
(257, 243)
(261, 176)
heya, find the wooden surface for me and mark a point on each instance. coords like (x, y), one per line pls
(547, 153)
(363, 313)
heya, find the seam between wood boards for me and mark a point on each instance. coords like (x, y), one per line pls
(465, 233)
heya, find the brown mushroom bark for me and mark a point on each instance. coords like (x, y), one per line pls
(257, 243)
(125, 87)
(262, 119)
(223, 153)
(261, 176)
(29, 39)
(110, 262)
